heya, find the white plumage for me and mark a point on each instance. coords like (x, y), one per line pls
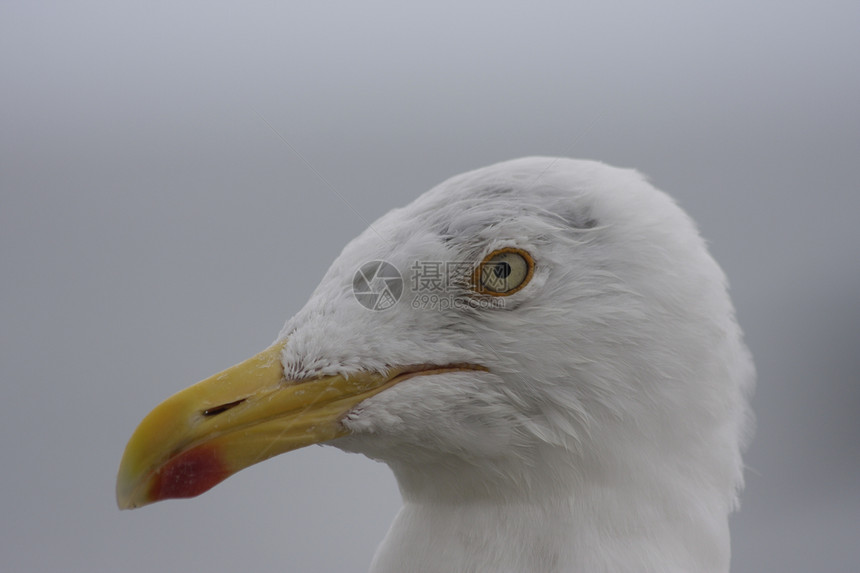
(607, 433)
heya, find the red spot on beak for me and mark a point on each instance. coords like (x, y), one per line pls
(189, 474)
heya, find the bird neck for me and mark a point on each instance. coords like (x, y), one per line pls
(461, 519)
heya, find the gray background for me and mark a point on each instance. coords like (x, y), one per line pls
(154, 230)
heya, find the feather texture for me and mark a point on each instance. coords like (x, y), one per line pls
(607, 433)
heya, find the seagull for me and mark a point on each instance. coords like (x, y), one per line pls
(542, 351)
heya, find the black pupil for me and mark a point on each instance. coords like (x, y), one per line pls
(502, 270)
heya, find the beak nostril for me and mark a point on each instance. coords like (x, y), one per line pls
(215, 410)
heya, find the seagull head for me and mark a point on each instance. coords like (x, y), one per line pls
(528, 331)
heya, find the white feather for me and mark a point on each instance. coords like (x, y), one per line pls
(607, 435)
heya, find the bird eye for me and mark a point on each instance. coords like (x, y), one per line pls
(504, 272)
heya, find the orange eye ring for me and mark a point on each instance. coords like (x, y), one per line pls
(503, 272)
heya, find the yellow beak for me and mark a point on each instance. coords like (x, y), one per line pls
(202, 435)
(244, 415)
